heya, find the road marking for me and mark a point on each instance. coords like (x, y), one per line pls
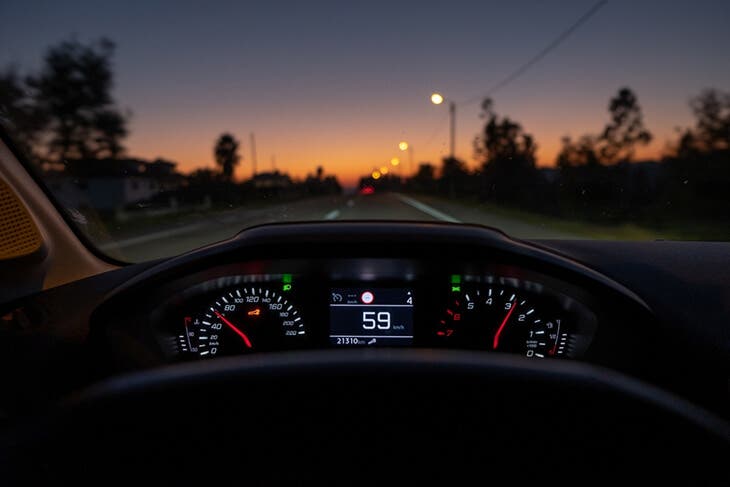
(332, 215)
(429, 210)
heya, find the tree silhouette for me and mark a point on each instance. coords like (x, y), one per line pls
(454, 174)
(712, 129)
(19, 115)
(424, 179)
(625, 130)
(426, 172)
(699, 171)
(73, 90)
(618, 140)
(583, 152)
(503, 141)
(226, 155)
(508, 155)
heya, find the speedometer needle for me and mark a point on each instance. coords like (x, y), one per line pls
(234, 328)
(495, 344)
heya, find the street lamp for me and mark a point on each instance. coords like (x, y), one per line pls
(438, 99)
(405, 146)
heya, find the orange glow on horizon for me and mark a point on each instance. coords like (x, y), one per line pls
(349, 153)
(349, 170)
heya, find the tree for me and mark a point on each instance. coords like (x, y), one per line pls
(625, 130)
(226, 155)
(503, 141)
(426, 172)
(698, 174)
(424, 179)
(581, 153)
(19, 115)
(73, 90)
(618, 140)
(712, 129)
(508, 155)
(454, 175)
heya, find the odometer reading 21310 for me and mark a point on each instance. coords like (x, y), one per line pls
(371, 317)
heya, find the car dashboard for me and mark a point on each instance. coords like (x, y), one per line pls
(443, 348)
(489, 295)
(370, 302)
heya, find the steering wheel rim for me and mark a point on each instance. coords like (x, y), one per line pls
(422, 413)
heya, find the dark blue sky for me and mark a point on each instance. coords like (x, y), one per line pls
(339, 83)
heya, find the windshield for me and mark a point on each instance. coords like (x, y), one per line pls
(160, 127)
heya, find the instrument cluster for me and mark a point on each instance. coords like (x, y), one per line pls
(516, 313)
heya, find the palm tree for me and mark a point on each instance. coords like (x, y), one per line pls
(226, 155)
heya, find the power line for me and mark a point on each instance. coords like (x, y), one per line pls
(437, 130)
(544, 52)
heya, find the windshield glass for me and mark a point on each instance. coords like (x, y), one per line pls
(163, 126)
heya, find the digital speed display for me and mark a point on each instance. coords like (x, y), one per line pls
(371, 317)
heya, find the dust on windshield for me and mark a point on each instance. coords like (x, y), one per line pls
(161, 128)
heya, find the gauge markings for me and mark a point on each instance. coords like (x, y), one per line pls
(502, 319)
(244, 320)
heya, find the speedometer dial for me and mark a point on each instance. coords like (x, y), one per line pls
(243, 320)
(502, 319)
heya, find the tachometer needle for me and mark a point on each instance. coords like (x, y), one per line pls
(495, 344)
(234, 328)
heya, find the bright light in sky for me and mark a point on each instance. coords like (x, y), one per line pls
(395, 161)
(376, 174)
(403, 146)
(384, 170)
(437, 98)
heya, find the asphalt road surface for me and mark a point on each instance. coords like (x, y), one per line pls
(203, 230)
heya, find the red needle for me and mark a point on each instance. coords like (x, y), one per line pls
(495, 344)
(234, 328)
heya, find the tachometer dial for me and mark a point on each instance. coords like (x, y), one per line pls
(499, 318)
(243, 320)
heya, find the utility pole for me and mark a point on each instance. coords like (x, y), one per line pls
(410, 159)
(452, 117)
(253, 153)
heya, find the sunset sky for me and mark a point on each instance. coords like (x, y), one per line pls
(340, 83)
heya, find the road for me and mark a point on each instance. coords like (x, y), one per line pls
(386, 206)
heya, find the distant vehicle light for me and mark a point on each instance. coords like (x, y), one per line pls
(366, 190)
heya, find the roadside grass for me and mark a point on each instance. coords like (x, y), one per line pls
(668, 229)
(623, 231)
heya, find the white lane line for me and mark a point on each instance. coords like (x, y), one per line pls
(429, 210)
(332, 215)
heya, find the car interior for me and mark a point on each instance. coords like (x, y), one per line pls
(372, 336)
(178, 308)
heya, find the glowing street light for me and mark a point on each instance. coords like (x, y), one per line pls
(394, 162)
(376, 174)
(438, 99)
(384, 170)
(405, 146)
